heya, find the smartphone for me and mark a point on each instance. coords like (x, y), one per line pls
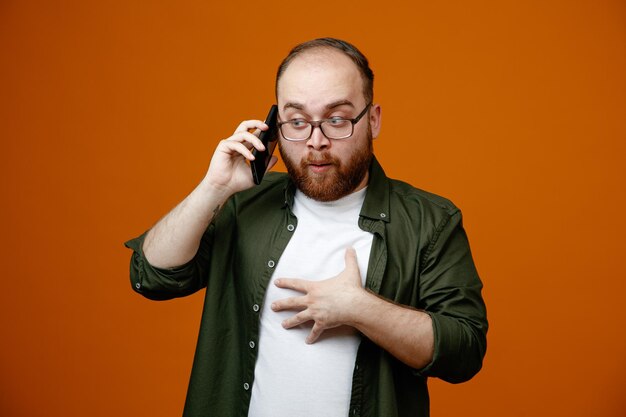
(269, 138)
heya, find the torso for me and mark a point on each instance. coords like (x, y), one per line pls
(292, 377)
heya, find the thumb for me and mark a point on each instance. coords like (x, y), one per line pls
(351, 261)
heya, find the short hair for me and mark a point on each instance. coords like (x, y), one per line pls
(342, 46)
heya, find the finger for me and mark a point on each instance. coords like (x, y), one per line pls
(291, 303)
(298, 319)
(257, 131)
(292, 284)
(351, 259)
(352, 266)
(248, 139)
(316, 332)
(238, 147)
(246, 125)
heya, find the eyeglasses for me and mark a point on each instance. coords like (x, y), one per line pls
(297, 130)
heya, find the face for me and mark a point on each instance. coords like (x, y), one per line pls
(321, 84)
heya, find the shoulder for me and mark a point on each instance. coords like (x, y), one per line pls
(407, 195)
(404, 202)
(421, 217)
(413, 210)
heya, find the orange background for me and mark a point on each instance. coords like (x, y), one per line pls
(109, 112)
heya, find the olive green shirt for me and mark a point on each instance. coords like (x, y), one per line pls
(420, 258)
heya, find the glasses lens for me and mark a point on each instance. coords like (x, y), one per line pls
(337, 128)
(296, 129)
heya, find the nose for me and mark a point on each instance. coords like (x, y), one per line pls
(318, 140)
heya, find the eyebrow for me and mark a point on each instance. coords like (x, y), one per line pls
(334, 104)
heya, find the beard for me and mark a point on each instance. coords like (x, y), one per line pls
(339, 181)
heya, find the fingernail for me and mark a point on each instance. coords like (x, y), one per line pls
(274, 306)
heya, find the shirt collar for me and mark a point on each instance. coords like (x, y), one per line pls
(376, 204)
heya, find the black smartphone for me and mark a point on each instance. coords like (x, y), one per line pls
(269, 138)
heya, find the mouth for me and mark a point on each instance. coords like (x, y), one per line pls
(320, 166)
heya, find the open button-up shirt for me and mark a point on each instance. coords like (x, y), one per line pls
(420, 258)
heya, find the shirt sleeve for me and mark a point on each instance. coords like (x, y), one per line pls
(163, 284)
(450, 290)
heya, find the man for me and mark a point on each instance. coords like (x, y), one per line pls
(330, 291)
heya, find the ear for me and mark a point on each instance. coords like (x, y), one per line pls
(375, 115)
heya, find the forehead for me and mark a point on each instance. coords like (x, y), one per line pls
(315, 78)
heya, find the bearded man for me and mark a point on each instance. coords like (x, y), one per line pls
(331, 290)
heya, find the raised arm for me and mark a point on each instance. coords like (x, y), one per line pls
(175, 239)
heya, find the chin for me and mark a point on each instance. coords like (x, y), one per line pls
(338, 182)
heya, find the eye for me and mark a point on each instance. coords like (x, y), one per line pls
(336, 121)
(298, 123)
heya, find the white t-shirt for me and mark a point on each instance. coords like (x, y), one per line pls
(293, 378)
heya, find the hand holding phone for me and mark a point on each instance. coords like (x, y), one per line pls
(269, 138)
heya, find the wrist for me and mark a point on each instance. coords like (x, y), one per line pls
(363, 305)
(214, 192)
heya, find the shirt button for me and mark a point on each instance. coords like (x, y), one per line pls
(255, 307)
(291, 227)
(383, 215)
(246, 386)
(137, 285)
(271, 264)
(251, 344)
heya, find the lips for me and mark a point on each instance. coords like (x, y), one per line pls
(318, 163)
(319, 168)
